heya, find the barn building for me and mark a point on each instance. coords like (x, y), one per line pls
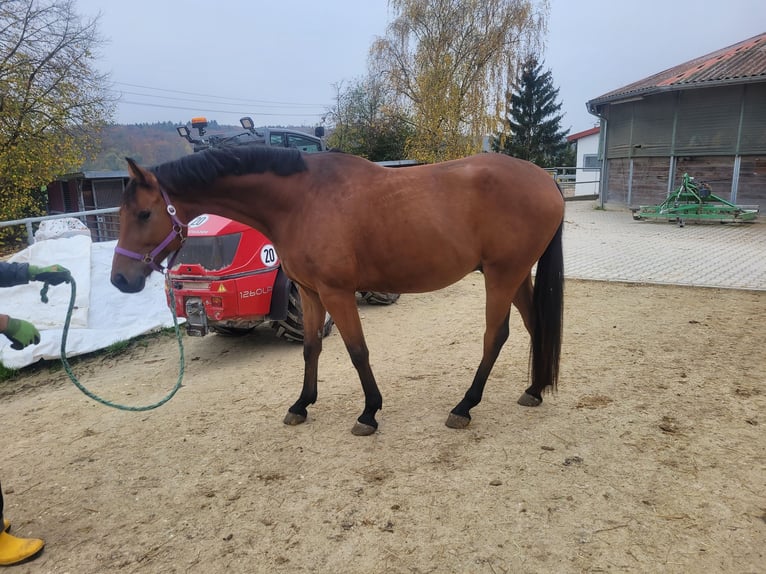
(706, 117)
(86, 191)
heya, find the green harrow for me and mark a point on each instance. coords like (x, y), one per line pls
(695, 202)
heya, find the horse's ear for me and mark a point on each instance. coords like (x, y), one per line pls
(137, 172)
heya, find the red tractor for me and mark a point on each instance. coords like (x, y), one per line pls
(227, 277)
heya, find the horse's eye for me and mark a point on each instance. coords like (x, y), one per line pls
(144, 215)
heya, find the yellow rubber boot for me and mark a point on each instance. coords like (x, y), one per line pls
(6, 525)
(14, 550)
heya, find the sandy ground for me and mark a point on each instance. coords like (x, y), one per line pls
(650, 458)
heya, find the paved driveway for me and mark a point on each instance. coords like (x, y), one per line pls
(609, 245)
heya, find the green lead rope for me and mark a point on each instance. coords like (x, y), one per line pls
(68, 369)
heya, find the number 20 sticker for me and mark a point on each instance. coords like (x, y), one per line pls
(269, 255)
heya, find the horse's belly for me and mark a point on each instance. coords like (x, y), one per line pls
(414, 275)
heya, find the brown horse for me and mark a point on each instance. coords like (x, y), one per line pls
(342, 224)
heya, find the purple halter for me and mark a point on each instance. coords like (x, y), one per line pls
(176, 232)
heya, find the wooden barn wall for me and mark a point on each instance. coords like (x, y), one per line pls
(617, 180)
(752, 181)
(56, 197)
(63, 196)
(718, 171)
(650, 180)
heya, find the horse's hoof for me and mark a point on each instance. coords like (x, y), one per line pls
(457, 422)
(293, 419)
(527, 400)
(361, 429)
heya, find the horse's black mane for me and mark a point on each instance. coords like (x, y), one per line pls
(203, 168)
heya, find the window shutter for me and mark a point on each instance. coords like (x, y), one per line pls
(653, 126)
(619, 127)
(753, 135)
(708, 121)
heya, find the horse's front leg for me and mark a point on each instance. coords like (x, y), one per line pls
(342, 307)
(313, 323)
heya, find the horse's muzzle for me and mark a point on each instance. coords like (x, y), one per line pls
(126, 286)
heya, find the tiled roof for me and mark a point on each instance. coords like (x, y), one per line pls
(580, 135)
(741, 63)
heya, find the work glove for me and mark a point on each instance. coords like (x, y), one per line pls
(52, 274)
(21, 333)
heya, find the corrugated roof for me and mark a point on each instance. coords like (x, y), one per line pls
(740, 63)
(119, 174)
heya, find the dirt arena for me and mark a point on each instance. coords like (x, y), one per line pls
(650, 458)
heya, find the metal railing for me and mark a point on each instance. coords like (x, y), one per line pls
(104, 224)
(566, 177)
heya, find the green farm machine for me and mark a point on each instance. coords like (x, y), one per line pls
(694, 201)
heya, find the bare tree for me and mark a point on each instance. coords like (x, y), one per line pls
(452, 62)
(367, 120)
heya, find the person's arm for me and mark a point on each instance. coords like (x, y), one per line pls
(20, 273)
(13, 274)
(19, 332)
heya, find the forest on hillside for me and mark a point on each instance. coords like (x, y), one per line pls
(148, 144)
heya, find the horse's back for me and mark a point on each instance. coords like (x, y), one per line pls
(477, 178)
(423, 227)
(491, 192)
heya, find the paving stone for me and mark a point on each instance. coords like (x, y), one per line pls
(609, 245)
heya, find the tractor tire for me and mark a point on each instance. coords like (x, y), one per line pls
(232, 331)
(377, 298)
(291, 329)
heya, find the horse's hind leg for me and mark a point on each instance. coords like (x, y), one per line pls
(342, 307)
(523, 302)
(313, 322)
(500, 293)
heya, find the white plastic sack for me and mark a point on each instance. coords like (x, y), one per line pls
(104, 315)
(58, 228)
(23, 301)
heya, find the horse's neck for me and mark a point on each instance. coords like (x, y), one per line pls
(254, 199)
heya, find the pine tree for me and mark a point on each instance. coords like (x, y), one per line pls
(533, 126)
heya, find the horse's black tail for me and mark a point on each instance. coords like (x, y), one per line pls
(548, 313)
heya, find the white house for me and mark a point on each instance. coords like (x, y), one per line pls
(588, 171)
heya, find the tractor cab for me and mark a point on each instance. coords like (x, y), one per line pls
(274, 137)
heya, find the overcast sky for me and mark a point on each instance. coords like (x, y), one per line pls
(277, 61)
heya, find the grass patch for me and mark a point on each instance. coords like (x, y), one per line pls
(117, 348)
(112, 351)
(6, 373)
(141, 342)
